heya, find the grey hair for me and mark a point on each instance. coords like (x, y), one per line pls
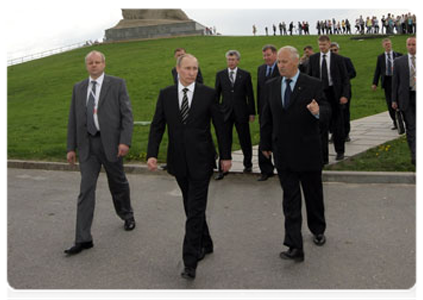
(103, 58)
(292, 50)
(233, 53)
(335, 44)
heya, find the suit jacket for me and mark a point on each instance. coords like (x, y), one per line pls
(190, 146)
(338, 72)
(380, 71)
(401, 82)
(238, 99)
(293, 132)
(261, 82)
(114, 116)
(199, 78)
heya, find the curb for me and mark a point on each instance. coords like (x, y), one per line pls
(328, 176)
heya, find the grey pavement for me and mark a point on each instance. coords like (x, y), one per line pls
(371, 236)
(365, 133)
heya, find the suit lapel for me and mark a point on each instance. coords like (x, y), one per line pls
(104, 89)
(278, 91)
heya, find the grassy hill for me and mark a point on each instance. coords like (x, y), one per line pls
(39, 92)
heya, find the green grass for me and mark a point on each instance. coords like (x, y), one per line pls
(39, 92)
(389, 157)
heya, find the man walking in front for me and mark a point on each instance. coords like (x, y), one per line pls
(100, 128)
(187, 109)
(290, 128)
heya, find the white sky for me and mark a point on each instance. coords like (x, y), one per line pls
(37, 26)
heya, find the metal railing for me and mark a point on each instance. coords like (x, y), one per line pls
(46, 53)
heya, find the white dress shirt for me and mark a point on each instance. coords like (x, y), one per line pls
(391, 53)
(98, 86)
(190, 93)
(235, 71)
(328, 54)
(413, 88)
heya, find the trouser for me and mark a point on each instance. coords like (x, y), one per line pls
(410, 124)
(311, 183)
(336, 126)
(197, 235)
(387, 87)
(118, 185)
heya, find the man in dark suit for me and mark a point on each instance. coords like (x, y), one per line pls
(187, 110)
(404, 92)
(384, 71)
(237, 105)
(177, 53)
(265, 72)
(330, 69)
(290, 128)
(100, 127)
(334, 48)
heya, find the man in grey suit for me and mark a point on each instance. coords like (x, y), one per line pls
(100, 127)
(404, 92)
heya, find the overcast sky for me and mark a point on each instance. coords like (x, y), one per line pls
(36, 26)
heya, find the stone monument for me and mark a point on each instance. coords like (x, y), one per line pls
(153, 23)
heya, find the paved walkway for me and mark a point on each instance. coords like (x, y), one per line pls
(365, 133)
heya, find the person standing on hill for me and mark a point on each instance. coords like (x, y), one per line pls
(100, 128)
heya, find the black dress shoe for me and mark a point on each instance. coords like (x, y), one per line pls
(220, 175)
(247, 170)
(319, 239)
(294, 254)
(188, 273)
(129, 224)
(203, 253)
(78, 247)
(339, 156)
(264, 177)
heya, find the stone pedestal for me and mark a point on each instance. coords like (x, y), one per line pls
(142, 29)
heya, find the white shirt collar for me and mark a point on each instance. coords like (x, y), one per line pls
(191, 87)
(99, 80)
(234, 70)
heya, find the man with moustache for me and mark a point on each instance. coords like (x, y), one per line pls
(290, 129)
(187, 110)
(265, 72)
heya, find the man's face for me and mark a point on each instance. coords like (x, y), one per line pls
(287, 64)
(232, 61)
(95, 65)
(308, 52)
(269, 57)
(387, 46)
(324, 46)
(411, 45)
(179, 53)
(188, 70)
(334, 49)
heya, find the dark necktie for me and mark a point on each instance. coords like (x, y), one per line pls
(184, 106)
(268, 71)
(324, 73)
(288, 92)
(91, 128)
(389, 65)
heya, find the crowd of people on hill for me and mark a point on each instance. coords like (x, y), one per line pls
(391, 24)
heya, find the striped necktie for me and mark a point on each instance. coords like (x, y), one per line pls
(184, 106)
(91, 128)
(413, 73)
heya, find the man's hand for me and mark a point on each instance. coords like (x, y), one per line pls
(122, 150)
(152, 164)
(226, 165)
(313, 107)
(374, 87)
(343, 100)
(71, 157)
(252, 118)
(267, 154)
(394, 105)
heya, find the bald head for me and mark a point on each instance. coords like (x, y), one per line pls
(288, 60)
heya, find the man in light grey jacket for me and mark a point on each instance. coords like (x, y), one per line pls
(100, 129)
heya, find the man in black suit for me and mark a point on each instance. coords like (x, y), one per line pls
(384, 71)
(177, 53)
(290, 128)
(100, 129)
(235, 87)
(187, 110)
(330, 69)
(265, 72)
(334, 48)
(404, 92)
